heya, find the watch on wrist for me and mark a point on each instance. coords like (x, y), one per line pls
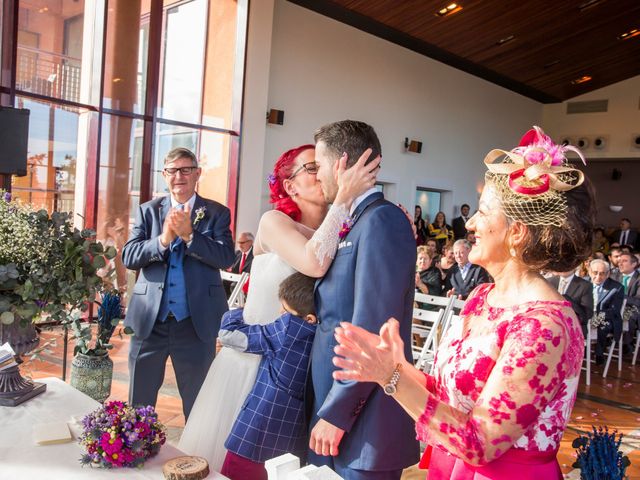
(190, 239)
(390, 388)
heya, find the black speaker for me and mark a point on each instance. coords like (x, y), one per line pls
(275, 117)
(14, 137)
(616, 174)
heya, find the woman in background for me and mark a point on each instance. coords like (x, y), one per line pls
(440, 231)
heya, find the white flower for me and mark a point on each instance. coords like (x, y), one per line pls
(199, 214)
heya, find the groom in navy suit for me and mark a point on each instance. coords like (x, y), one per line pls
(178, 244)
(357, 429)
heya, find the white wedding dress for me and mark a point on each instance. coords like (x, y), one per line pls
(233, 373)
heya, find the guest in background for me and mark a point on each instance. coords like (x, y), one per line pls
(459, 229)
(630, 280)
(465, 276)
(440, 231)
(432, 249)
(600, 242)
(178, 245)
(626, 235)
(428, 279)
(577, 291)
(583, 269)
(608, 296)
(243, 261)
(421, 226)
(614, 256)
(445, 264)
(471, 238)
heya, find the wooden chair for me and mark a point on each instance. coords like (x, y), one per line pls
(236, 299)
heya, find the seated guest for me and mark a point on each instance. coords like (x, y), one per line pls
(432, 250)
(440, 231)
(428, 279)
(630, 280)
(445, 264)
(577, 291)
(464, 276)
(614, 255)
(600, 242)
(243, 261)
(608, 296)
(502, 391)
(459, 229)
(272, 421)
(471, 238)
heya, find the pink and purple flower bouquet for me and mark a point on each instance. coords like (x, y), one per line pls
(117, 435)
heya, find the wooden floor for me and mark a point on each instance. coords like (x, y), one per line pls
(614, 401)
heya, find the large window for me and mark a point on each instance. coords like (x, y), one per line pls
(112, 86)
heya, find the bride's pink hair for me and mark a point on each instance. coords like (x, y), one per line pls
(281, 171)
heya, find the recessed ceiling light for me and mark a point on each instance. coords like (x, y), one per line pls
(504, 40)
(448, 10)
(630, 34)
(582, 79)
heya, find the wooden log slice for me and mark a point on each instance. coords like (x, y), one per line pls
(186, 468)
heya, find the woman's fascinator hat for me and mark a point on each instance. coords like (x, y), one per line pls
(531, 180)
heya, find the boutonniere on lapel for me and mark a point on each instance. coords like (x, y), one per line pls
(346, 228)
(199, 215)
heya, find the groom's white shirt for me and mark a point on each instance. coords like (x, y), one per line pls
(360, 199)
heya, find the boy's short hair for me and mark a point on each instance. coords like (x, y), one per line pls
(297, 291)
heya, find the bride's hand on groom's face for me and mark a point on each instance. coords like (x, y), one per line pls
(353, 182)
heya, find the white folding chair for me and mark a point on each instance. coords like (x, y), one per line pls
(614, 344)
(635, 350)
(592, 334)
(425, 327)
(236, 299)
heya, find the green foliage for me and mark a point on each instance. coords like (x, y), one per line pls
(46, 265)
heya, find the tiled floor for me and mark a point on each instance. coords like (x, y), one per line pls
(614, 401)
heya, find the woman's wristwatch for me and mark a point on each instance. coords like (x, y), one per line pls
(390, 388)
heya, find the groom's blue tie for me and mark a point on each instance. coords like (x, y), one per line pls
(174, 294)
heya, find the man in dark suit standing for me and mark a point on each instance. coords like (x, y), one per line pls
(357, 429)
(465, 276)
(243, 261)
(608, 296)
(459, 229)
(626, 235)
(577, 291)
(178, 244)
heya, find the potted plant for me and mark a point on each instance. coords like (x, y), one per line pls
(92, 369)
(47, 268)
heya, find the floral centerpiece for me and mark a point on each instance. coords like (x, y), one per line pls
(46, 265)
(118, 435)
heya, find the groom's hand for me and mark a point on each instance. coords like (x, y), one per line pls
(325, 438)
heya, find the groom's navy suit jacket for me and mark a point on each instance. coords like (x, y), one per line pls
(211, 249)
(371, 279)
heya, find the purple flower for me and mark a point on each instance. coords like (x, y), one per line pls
(272, 179)
(7, 196)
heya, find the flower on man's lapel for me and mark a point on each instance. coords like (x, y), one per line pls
(199, 214)
(346, 228)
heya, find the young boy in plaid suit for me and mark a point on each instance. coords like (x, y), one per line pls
(272, 420)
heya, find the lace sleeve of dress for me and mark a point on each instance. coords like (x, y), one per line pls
(324, 241)
(537, 355)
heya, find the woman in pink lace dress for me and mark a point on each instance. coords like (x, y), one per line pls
(505, 380)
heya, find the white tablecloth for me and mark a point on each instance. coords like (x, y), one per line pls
(22, 459)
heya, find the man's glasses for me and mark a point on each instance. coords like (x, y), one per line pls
(183, 170)
(311, 168)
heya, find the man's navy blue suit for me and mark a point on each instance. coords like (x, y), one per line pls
(371, 279)
(190, 341)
